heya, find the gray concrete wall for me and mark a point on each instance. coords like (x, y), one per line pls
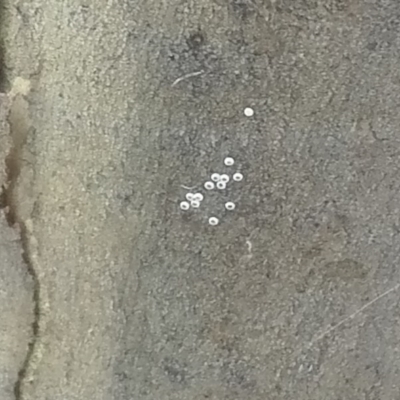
(114, 106)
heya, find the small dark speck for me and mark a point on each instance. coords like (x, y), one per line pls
(195, 41)
(174, 371)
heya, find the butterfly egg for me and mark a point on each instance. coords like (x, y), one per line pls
(221, 185)
(248, 112)
(189, 196)
(229, 161)
(215, 177)
(184, 205)
(209, 185)
(230, 206)
(213, 221)
(237, 177)
(224, 178)
(195, 204)
(198, 197)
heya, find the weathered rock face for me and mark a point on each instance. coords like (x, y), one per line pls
(16, 286)
(115, 106)
(16, 308)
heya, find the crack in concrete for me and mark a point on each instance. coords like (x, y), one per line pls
(19, 129)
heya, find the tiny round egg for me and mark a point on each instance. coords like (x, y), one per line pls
(221, 185)
(229, 161)
(195, 204)
(209, 185)
(224, 178)
(198, 197)
(189, 196)
(237, 177)
(213, 221)
(184, 205)
(230, 206)
(215, 177)
(248, 112)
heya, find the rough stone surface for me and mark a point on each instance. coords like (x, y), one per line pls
(5, 142)
(16, 291)
(16, 310)
(131, 100)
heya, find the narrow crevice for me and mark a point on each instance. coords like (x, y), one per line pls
(8, 195)
(9, 202)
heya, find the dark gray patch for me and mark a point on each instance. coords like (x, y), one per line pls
(340, 5)
(346, 269)
(237, 375)
(195, 41)
(187, 56)
(243, 9)
(175, 372)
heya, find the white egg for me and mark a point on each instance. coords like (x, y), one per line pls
(221, 185)
(195, 204)
(189, 196)
(248, 112)
(215, 177)
(198, 197)
(230, 206)
(213, 221)
(229, 161)
(209, 185)
(184, 205)
(224, 178)
(237, 177)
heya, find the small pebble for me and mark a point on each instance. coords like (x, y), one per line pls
(215, 177)
(248, 112)
(230, 206)
(229, 161)
(209, 185)
(195, 204)
(184, 205)
(237, 177)
(224, 178)
(189, 196)
(221, 185)
(213, 221)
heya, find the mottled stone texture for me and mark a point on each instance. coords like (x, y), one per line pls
(140, 301)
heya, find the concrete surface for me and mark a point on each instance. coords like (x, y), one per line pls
(16, 310)
(16, 289)
(295, 295)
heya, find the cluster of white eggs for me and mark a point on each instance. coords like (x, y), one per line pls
(193, 200)
(217, 181)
